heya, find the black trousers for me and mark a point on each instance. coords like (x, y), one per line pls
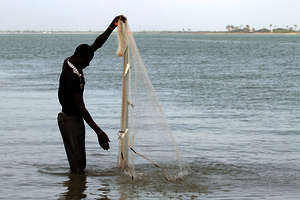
(72, 130)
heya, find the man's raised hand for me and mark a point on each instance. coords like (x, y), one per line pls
(114, 23)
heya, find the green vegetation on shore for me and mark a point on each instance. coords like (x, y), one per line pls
(270, 29)
(230, 29)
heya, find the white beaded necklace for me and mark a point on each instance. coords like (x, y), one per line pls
(75, 70)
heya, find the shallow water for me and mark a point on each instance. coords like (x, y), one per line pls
(233, 103)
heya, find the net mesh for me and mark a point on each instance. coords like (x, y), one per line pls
(149, 138)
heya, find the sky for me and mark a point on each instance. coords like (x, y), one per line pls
(146, 15)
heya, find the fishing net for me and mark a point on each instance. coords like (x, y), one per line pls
(145, 136)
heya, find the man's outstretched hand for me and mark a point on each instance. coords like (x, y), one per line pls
(103, 140)
(114, 23)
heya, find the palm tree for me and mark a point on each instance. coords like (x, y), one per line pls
(228, 28)
(271, 30)
(296, 26)
(247, 28)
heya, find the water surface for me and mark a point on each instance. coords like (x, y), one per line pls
(232, 101)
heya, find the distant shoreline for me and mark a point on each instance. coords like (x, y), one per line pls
(146, 32)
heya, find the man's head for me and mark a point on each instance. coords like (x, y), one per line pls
(84, 54)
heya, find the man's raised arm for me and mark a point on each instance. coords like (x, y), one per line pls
(101, 39)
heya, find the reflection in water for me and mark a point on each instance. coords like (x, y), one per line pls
(76, 186)
(104, 190)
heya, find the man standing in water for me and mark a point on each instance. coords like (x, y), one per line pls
(70, 95)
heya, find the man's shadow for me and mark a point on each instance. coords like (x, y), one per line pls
(76, 185)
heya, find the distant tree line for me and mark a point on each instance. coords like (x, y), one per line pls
(271, 29)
